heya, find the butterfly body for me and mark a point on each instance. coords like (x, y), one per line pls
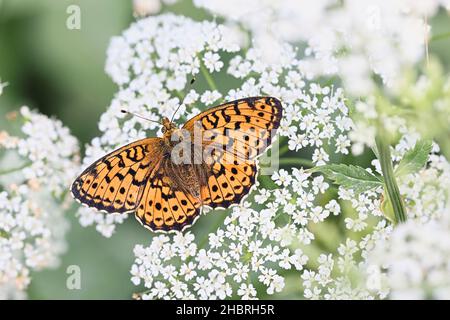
(166, 180)
(169, 129)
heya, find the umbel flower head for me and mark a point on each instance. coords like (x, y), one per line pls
(152, 63)
(37, 165)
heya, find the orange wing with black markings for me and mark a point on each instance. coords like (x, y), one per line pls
(116, 182)
(248, 121)
(237, 133)
(165, 205)
(228, 183)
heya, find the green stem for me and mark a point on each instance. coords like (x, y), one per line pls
(292, 161)
(11, 170)
(384, 156)
(284, 149)
(207, 76)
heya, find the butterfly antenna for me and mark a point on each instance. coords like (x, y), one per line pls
(173, 115)
(139, 116)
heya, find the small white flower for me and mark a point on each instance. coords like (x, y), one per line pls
(282, 178)
(212, 61)
(159, 290)
(209, 97)
(188, 271)
(297, 141)
(263, 195)
(320, 157)
(246, 292)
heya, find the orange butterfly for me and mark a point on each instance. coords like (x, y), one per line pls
(167, 195)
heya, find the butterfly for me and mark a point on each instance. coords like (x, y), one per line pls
(221, 146)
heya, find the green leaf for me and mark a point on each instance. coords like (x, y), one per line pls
(350, 177)
(414, 159)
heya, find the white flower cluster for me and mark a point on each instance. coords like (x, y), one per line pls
(352, 39)
(153, 61)
(32, 237)
(47, 150)
(342, 276)
(296, 198)
(36, 169)
(414, 261)
(314, 116)
(252, 245)
(248, 250)
(159, 51)
(361, 265)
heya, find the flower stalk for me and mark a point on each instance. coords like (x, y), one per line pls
(390, 183)
(296, 161)
(209, 79)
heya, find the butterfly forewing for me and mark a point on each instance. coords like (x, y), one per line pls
(236, 133)
(116, 182)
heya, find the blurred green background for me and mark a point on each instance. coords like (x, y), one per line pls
(61, 73)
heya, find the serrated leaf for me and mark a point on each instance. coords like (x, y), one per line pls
(414, 159)
(350, 177)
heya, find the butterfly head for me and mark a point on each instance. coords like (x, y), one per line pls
(168, 127)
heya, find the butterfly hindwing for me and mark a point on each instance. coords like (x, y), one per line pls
(228, 183)
(164, 205)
